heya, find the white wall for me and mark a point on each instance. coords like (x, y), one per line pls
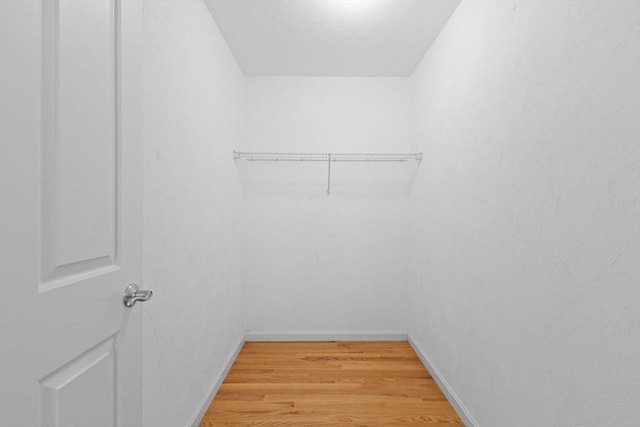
(193, 104)
(318, 263)
(526, 211)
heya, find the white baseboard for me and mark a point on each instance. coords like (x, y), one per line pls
(255, 336)
(215, 386)
(451, 396)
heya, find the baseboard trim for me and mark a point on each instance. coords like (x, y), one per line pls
(451, 396)
(201, 409)
(255, 336)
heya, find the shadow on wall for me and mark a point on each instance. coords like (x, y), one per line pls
(312, 179)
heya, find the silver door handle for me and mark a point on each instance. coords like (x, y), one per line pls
(133, 294)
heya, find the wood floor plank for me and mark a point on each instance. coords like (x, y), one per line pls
(329, 384)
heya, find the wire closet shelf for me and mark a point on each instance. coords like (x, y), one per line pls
(327, 158)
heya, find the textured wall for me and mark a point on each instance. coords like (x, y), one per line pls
(193, 104)
(526, 211)
(318, 263)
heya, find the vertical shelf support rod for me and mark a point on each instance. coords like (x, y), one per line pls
(329, 174)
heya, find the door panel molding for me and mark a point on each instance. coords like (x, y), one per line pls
(91, 374)
(79, 182)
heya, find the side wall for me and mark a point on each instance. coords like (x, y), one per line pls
(326, 263)
(526, 211)
(193, 95)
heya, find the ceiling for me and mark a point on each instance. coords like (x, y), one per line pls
(330, 37)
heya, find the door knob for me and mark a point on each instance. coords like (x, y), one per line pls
(133, 294)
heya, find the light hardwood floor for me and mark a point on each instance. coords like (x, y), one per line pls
(329, 384)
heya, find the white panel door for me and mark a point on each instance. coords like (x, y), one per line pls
(70, 206)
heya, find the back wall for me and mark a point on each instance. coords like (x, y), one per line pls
(314, 262)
